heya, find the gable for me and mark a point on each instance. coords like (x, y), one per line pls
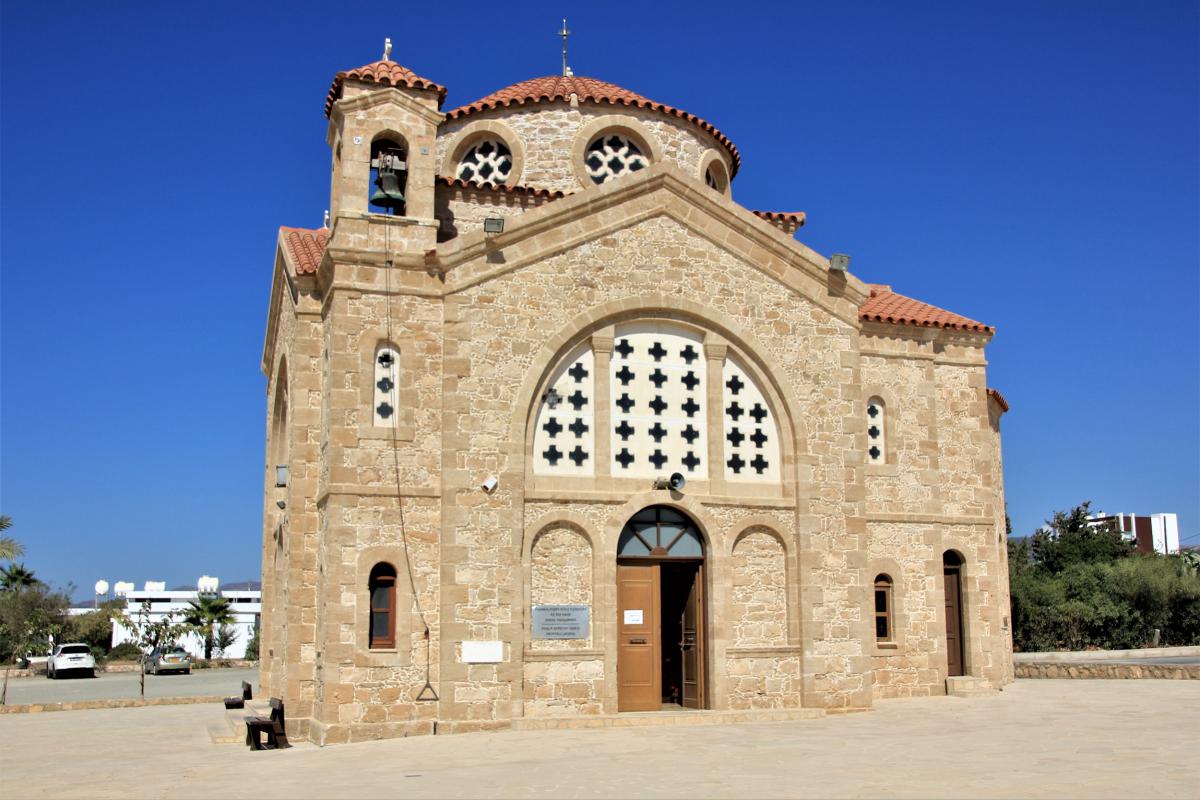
(659, 191)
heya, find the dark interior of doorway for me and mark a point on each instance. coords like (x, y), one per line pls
(676, 584)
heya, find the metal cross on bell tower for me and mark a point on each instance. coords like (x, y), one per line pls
(564, 33)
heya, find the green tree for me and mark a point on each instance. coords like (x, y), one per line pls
(1077, 586)
(148, 632)
(205, 614)
(224, 638)
(10, 548)
(96, 627)
(252, 647)
(29, 617)
(16, 576)
(1070, 539)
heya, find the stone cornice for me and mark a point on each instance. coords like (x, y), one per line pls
(929, 519)
(386, 95)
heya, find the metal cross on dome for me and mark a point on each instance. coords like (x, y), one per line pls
(564, 33)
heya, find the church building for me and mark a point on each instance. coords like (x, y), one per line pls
(558, 431)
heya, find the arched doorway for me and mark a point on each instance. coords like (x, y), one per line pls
(660, 612)
(952, 578)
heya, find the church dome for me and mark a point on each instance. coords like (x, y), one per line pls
(386, 73)
(559, 88)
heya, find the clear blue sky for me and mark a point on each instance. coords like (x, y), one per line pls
(1034, 165)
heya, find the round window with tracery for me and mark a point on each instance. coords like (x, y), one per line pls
(487, 161)
(612, 155)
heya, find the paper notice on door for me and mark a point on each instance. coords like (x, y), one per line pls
(633, 616)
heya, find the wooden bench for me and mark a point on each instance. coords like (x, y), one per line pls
(240, 702)
(273, 726)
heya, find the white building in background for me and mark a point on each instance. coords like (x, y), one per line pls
(244, 603)
(1151, 533)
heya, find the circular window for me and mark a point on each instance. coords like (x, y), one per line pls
(487, 161)
(612, 155)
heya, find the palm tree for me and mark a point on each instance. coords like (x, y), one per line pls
(206, 612)
(10, 548)
(16, 576)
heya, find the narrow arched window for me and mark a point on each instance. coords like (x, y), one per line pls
(716, 178)
(389, 177)
(382, 632)
(876, 431)
(387, 376)
(883, 608)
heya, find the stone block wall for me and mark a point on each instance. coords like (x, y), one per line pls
(788, 568)
(549, 133)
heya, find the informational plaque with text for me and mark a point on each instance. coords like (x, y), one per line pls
(561, 622)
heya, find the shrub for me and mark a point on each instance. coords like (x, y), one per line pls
(125, 651)
(1077, 589)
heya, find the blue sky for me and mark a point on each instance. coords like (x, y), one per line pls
(1035, 166)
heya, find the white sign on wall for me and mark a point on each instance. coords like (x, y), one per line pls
(482, 652)
(633, 616)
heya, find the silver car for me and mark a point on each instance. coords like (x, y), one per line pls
(167, 659)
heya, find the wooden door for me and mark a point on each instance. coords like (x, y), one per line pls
(954, 643)
(639, 673)
(693, 643)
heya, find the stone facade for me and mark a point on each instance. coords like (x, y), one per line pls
(483, 323)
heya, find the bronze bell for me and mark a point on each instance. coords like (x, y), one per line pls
(387, 190)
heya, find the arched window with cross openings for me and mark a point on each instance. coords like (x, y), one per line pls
(385, 394)
(661, 410)
(565, 436)
(751, 437)
(876, 431)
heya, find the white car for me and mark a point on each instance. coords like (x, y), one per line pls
(71, 658)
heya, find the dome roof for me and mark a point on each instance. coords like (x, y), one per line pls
(555, 88)
(386, 72)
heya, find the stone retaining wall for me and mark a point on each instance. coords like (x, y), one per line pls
(1123, 671)
(84, 705)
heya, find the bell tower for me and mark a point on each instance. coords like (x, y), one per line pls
(383, 122)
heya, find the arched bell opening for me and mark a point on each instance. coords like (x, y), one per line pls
(389, 175)
(661, 612)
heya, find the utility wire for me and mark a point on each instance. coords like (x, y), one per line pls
(427, 693)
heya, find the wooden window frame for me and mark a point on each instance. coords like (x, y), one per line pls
(884, 584)
(382, 575)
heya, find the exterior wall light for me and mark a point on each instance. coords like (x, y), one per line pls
(281, 475)
(493, 225)
(839, 262)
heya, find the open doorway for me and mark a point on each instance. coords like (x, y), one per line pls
(680, 636)
(661, 613)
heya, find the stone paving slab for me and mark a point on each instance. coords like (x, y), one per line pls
(1038, 738)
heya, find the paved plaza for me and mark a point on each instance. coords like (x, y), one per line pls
(1038, 738)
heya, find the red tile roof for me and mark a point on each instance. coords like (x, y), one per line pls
(786, 221)
(884, 305)
(999, 398)
(459, 183)
(589, 90)
(305, 247)
(388, 73)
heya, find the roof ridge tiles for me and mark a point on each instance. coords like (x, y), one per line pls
(386, 72)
